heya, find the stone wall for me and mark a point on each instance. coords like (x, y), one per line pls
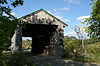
(56, 46)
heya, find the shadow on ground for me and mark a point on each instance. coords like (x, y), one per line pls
(53, 61)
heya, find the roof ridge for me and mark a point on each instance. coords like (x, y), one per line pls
(44, 11)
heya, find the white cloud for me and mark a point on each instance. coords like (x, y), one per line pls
(12, 13)
(64, 20)
(73, 1)
(82, 18)
(57, 13)
(61, 9)
(70, 33)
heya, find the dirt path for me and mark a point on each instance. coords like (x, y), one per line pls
(53, 61)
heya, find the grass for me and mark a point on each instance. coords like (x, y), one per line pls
(94, 58)
(93, 50)
(92, 53)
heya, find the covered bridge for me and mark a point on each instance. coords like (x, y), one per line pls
(46, 30)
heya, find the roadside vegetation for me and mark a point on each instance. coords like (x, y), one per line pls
(74, 50)
(18, 59)
(90, 51)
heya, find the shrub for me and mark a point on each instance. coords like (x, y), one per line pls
(19, 59)
(73, 49)
(91, 51)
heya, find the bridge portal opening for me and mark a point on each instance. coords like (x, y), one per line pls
(41, 35)
(26, 44)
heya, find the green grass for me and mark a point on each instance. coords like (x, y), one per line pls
(92, 53)
(93, 50)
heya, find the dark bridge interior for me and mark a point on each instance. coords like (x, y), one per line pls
(40, 34)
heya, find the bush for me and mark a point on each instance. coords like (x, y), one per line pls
(93, 48)
(73, 49)
(19, 59)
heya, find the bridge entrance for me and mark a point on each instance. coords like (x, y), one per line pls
(41, 35)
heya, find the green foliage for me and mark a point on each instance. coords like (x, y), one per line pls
(94, 20)
(67, 38)
(8, 22)
(74, 51)
(93, 48)
(93, 51)
(26, 44)
(72, 46)
(7, 28)
(19, 59)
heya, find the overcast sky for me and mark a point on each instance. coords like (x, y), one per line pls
(70, 11)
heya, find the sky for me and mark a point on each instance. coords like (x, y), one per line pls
(72, 12)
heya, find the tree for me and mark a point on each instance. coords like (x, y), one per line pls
(82, 35)
(8, 22)
(69, 38)
(94, 21)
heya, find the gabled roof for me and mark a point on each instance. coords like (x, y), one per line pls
(45, 12)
